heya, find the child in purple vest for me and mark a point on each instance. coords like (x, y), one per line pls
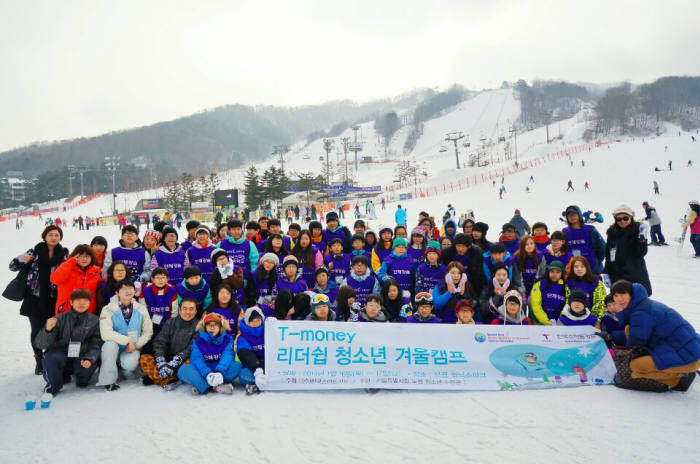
(336, 261)
(224, 304)
(399, 266)
(576, 312)
(308, 256)
(453, 288)
(361, 280)
(423, 314)
(129, 251)
(370, 241)
(511, 311)
(212, 360)
(372, 312)
(584, 239)
(540, 234)
(557, 250)
(548, 295)
(528, 265)
(170, 256)
(582, 278)
(276, 245)
(416, 248)
(509, 238)
(264, 278)
(193, 286)
(291, 279)
(250, 349)
(241, 251)
(325, 286)
(199, 253)
(430, 272)
(396, 306)
(162, 302)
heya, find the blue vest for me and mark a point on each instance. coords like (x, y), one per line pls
(119, 324)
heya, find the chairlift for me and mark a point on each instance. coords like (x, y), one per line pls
(466, 144)
(501, 138)
(443, 149)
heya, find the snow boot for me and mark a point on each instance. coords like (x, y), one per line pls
(112, 387)
(685, 382)
(225, 388)
(252, 389)
(172, 385)
(146, 381)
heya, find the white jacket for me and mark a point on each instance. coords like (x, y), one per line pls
(107, 330)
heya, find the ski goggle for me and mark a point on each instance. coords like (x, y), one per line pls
(423, 298)
(320, 299)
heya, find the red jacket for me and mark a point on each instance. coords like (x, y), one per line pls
(68, 277)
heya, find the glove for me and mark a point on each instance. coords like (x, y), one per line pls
(165, 371)
(214, 379)
(260, 379)
(176, 361)
(405, 311)
(160, 362)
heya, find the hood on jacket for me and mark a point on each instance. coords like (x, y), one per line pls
(568, 312)
(454, 224)
(209, 338)
(575, 209)
(639, 294)
(381, 317)
(254, 331)
(240, 240)
(360, 278)
(502, 309)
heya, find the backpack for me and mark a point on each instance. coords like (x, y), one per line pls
(624, 379)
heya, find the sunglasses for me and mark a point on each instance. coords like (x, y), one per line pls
(622, 219)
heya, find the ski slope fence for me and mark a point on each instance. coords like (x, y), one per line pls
(54, 209)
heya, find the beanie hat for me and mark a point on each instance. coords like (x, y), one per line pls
(216, 253)
(383, 228)
(517, 212)
(623, 209)
(360, 259)
(192, 225)
(331, 216)
(252, 313)
(270, 257)
(464, 304)
(166, 230)
(434, 247)
(578, 295)
(212, 317)
(418, 230)
(556, 265)
(481, 227)
(398, 242)
(463, 239)
(514, 297)
(151, 233)
(290, 260)
(191, 271)
(322, 269)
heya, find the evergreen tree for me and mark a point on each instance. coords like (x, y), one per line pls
(252, 189)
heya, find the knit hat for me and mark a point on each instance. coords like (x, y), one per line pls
(623, 209)
(578, 295)
(322, 269)
(433, 246)
(319, 300)
(216, 253)
(513, 296)
(290, 260)
(191, 271)
(360, 259)
(398, 242)
(270, 257)
(464, 304)
(331, 216)
(252, 313)
(480, 227)
(463, 239)
(151, 233)
(517, 212)
(418, 230)
(169, 230)
(212, 317)
(203, 229)
(556, 265)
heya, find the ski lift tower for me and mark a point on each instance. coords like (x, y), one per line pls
(280, 150)
(455, 137)
(356, 147)
(515, 139)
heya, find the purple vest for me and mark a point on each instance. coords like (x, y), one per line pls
(564, 259)
(431, 276)
(381, 254)
(158, 304)
(133, 258)
(530, 272)
(401, 270)
(239, 254)
(511, 246)
(553, 300)
(542, 247)
(232, 319)
(212, 352)
(415, 253)
(201, 257)
(412, 319)
(257, 343)
(295, 287)
(463, 260)
(580, 243)
(340, 233)
(174, 263)
(261, 286)
(341, 266)
(362, 289)
(586, 287)
(198, 295)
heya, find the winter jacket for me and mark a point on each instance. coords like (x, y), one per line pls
(670, 339)
(693, 221)
(564, 258)
(652, 216)
(73, 326)
(444, 229)
(416, 318)
(587, 242)
(473, 262)
(400, 217)
(212, 354)
(175, 338)
(362, 316)
(521, 225)
(250, 346)
(445, 302)
(331, 291)
(200, 293)
(546, 303)
(379, 255)
(341, 232)
(113, 327)
(235, 281)
(489, 302)
(567, 317)
(511, 245)
(505, 319)
(624, 255)
(610, 324)
(68, 277)
(40, 300)
(489, 264)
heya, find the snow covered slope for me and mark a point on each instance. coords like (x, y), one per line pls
(566, 425)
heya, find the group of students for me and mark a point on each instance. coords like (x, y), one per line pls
(194, 311)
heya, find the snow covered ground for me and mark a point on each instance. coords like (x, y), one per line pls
(140, 424)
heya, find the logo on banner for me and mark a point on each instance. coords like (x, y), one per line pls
(480, 337)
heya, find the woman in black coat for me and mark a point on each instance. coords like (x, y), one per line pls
(40, 300)
(625, 249)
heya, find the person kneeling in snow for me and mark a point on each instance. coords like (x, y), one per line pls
(171, 347)
(576, 312)
(212, 364)
(511, 312)
(71, 343)
(250, 348)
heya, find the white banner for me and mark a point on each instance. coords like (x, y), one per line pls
(307, 355)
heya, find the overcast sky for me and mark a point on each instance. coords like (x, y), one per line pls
(81, 68)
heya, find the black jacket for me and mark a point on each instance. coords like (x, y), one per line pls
(475, 271)
(630, 250)
(175, 338)
(72, 326)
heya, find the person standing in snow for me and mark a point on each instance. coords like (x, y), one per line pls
(570, 185)
(693, 221)
(584, 239)
(521, 225)
(652, 217)
(400, 216)
(656, 188)
(669, 165)
(625, 249)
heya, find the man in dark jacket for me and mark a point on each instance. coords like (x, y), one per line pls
(672, 343)
(171, 348)
(71, 342)
(470, 257)
(521, 225)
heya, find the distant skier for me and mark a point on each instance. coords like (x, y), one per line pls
(586, 186)
(532, 179)
(570, 186)
(669, 165)
(527, 189)
(583, 164)
(653, 219)
(692, 137)
(690, 164)
(656, 188)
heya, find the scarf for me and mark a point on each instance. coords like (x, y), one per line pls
(225, 271)
(127, 311)
(540, 238)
